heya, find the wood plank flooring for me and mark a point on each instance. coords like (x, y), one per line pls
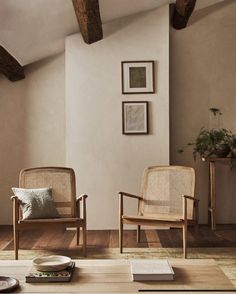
(224, 236)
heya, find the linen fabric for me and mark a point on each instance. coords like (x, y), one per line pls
(36, 203)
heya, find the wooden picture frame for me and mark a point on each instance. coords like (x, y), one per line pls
(134, 117)
(137, 77)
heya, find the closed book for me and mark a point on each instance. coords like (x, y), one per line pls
(151, 270)
(36, 276)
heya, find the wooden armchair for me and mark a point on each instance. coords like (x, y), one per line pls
(167, 199)
(62, 182)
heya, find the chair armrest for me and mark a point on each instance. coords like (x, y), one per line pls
(191, 198)
(121, 194)
(14, 198)
(16, 207)
(130, 195)
(185, 204)
(81, 197)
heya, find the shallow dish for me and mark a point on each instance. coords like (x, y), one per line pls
(8, 284)
(51, 263)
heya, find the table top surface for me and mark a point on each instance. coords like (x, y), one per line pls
(113, 276)
(217, 158)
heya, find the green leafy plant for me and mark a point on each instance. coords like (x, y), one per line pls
(232, 145)
(214, 142)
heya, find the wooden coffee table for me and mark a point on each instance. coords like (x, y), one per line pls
(113, 276)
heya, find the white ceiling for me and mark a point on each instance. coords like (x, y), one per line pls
(35, 29)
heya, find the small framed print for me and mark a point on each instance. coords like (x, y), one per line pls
(137, 77)
(134, 117)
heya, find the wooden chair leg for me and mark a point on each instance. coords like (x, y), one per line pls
(121, 236)
(196, 217)
(138, 233)
(84, 241)
(196, 227)
(16, 241)
(185, 228)
(77, 235)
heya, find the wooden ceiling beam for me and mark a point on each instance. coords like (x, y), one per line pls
(182, 12)
(89, 19)
(10, 67)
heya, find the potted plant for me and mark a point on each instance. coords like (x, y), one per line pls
(232, 145)
(215, 142)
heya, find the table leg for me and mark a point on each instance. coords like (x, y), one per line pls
(212, 207)
(209, 195)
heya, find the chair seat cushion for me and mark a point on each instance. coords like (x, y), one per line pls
(152, 217)
(36, 203)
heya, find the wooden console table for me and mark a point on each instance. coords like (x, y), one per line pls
(212, 189)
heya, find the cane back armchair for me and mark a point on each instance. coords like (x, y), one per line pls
(62, 182)
(167, 199)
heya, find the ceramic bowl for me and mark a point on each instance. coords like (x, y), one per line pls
(51, 263)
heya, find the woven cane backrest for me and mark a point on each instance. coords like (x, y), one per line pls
(62, 182)
(162, 188)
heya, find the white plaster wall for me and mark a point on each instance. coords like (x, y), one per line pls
(45, 112)
(32, 125)
(106, 161)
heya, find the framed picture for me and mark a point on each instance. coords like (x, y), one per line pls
(134, 117)
(137, 77)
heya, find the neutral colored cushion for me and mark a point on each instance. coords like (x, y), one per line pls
(36, 203)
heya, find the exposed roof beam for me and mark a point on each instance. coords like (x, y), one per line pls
(10, 67)
(182, 12)
(89, 19)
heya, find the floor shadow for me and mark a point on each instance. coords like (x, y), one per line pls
(224, 236)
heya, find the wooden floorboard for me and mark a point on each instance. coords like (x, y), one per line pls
(98, 238)
(114, 239)
(152, 237)
(130, 239)
(53, 239)
(5, 236)
(224, 236)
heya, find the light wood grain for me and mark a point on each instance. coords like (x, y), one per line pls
(113, 276)
(160, 202)
(62, 182)
(212, 187)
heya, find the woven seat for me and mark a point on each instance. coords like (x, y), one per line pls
(151, 217)
(51, 220)
(166, 199)
(62, 182)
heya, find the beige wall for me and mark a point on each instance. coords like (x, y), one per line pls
(202, 75)
(105, 160)
(32, 124)
(12, 141)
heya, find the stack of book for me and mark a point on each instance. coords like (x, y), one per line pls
(36, 276)
(151, 270)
